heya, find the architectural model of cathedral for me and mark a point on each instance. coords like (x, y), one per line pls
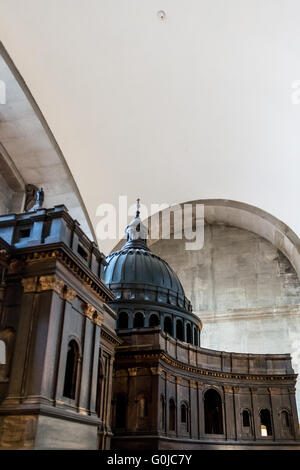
(105, 353)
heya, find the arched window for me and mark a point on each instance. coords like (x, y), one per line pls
(246, 419)
(285, 419)
(7, 337)
(184, 415)
(213, 412)
(71, 370)
(195, 337)
(179, 330)
(153, 320)
(172, 415)
(138, 320)
(121, 403)
(2, 352)
(189, 336)
(162, 412)
(123, 320)
(265, 423)
(142, 407)
(168, 325)
(100, 391)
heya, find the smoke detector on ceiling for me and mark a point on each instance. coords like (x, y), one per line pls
(161, 15)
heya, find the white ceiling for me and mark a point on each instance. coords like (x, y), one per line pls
(196, 106)
(30, 153)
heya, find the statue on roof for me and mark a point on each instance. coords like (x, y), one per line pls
(40, 196)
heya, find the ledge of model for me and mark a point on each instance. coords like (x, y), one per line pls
(47, 229)
(204, 361)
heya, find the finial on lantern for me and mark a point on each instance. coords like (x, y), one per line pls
(138, 206)
(136, 231)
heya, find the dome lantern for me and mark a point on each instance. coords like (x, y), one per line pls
(136, 231)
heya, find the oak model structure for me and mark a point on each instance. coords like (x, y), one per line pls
(57, 333)
(99, 353)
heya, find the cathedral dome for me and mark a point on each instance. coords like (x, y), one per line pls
(135, 265)
(135, 273)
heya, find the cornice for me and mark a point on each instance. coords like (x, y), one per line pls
(60, 252)
(55, 283)
(93, 314)
(162, 356)
(109, 336)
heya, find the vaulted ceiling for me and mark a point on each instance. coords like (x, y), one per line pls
(197, 104)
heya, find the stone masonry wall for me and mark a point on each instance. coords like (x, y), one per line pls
(245, 291)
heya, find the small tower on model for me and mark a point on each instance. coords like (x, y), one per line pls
(57, 332)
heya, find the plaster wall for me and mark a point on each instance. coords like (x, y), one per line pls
(245, 291)
(5, 196)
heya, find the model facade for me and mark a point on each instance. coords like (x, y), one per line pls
(105, 353)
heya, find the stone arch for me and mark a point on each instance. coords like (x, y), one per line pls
(154, 319)
(266, 428)
(162, 413)
(100, 386)
(247, 217)
(123, 319)
(285, 418)
(184, 415)
(72, 369)
(281, 248)
(213, 411)
(168, 325)
(172, 415)
(195, 336)
(138, 320)
(189, 333)
(246, 418)
(179, 329)
(243, 216)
